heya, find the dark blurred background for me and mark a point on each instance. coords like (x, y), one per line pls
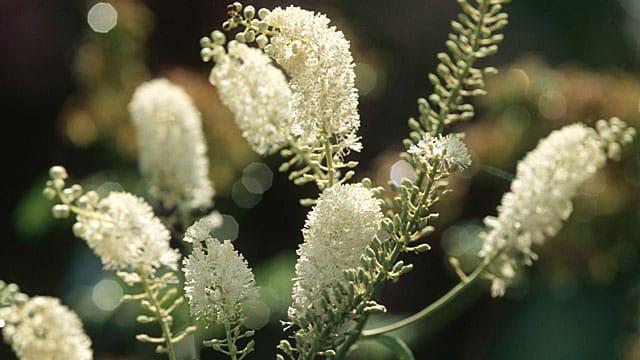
(64, 90)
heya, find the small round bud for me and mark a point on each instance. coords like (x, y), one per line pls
(206, 53)
(205, 42)
(78, 229)
(249, 12)
(614, 151)
(218, 37)
(77, 190)
(93, 197)
(262, 41)
(217, 53)
(58, 172)
(263, 13)
(58, 184)
(67, 194)
(262, 26)
(49, 193)
(83, 202)
(226, 26)
(250, 36)
(60, 211)
(240, 38)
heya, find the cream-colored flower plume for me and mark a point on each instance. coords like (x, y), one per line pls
(172, 150)
(337, 230)
(43, 328)
(124, 232)
(218, 282)
(540, 197)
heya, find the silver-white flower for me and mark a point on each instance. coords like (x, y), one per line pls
(218, 282)
(447, 151)
(172, 150)
(318, 61)
(540, 197)
(124, 232)
(337, 230)
(43, 328)
(257, 93)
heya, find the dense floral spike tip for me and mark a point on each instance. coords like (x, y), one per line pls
(172, 150)
(257, 93)
(218, 281)
(448, 151)
(43, 328)
(318, 60)
(540, 198)
(125, 234)
(338, 228)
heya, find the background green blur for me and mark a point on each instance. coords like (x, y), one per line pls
(63, 92)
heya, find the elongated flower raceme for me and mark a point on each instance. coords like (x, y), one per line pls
(43, 328)
(172, 149)
(218, 282)
(256, 92)
(540, 197)
(337, 230)
(317, 58)
(123, 231)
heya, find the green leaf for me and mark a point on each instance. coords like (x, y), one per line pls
(396, 345)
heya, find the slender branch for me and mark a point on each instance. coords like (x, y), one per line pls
(436, 305)
(160, 312)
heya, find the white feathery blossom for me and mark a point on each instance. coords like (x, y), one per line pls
(172, 150)
(257, 93)
(124, 232)
(317, 58)
(540, 197)
(218, 281)
(43, 328)
(339, 227)
(448, 151)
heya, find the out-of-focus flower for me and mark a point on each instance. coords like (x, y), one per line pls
(172, 150)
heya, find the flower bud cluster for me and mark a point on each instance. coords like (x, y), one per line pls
(42, 328)
(540, 198)
(449, 152)
(338, 229)
(121, 228)
(172, 152)
(218, 281)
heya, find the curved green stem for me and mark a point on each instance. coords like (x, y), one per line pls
(160, 313)
(436, 305)
(468, 63)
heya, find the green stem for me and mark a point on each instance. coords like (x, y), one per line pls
(231, 342)
(468, 63)
(329, 157)
(160, 313)
(436, 305)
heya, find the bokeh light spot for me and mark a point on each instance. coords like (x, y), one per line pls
(366, 78)
(401, 170)
(552, 105)
(257, 178)
(243, 197)
(228, 230)
(102, 17)
(106, 294)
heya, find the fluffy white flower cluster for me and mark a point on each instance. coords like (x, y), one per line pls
(540, 198)
(124, 232)
(43, 328)
(172, 150)
(447, 151)
(218, 282)
(257, 93)
(317, 58)
(338, 228)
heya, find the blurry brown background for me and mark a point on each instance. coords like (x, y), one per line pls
(64, 89)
